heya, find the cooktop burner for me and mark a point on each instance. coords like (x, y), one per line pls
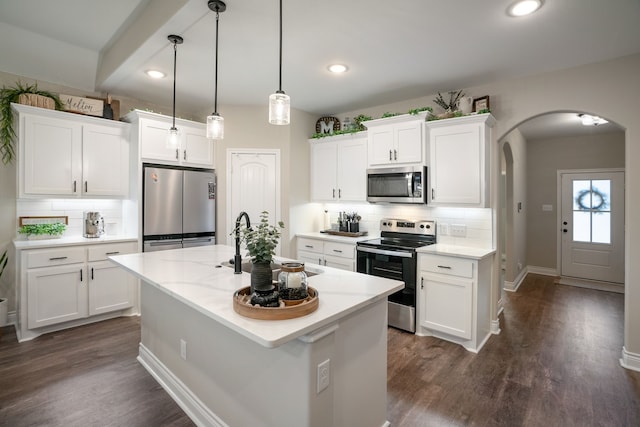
(401, 234)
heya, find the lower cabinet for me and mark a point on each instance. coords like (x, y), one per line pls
(454, 299)
(64, 284)
(327, 253)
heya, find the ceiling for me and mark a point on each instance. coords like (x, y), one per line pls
(395, 51)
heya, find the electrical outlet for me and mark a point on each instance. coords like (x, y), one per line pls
(458, 230)
(183, 349)
(443, 229)
(324, 374)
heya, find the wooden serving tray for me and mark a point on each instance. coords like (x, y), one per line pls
(345, 233)
(242, 306)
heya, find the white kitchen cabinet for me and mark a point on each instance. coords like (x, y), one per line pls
(454, 299)
(339, 168)
(327, 253)
(151, 129)
(459, 162)
(61, 287)
(64, 154)
(395, 140)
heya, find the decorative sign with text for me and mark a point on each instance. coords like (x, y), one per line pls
(78, 104)
(327, 125)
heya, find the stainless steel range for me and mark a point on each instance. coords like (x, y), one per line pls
(394, 256)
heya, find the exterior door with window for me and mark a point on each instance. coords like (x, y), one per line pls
(592, 225)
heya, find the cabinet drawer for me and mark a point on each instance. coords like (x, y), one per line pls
(310, 245)
(447, 265)
(58, 256)
(343, 250)
(103, 251)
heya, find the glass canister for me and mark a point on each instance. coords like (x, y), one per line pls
(292, 281)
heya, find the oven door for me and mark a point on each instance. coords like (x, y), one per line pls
(398, 265)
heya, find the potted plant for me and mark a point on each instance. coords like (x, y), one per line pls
(43, 231)
(7, 96)
(261, 242)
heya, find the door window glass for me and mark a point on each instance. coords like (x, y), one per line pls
(592, 210)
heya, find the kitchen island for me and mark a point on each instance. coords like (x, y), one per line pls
(324, 369)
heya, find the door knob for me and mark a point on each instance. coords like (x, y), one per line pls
(564, 222)
(564, 230)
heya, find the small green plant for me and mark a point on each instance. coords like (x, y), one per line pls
(484, 111)
(415, 111)
(40, 229)
(261, 240)
(388, 114)
(7, 133)
(452, 104)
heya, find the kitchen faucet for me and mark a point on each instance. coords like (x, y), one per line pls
(237, 258)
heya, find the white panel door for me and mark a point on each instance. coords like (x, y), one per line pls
(110, 288)
(592, 225)
(254, 186)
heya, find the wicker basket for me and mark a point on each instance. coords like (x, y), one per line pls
(37, 101)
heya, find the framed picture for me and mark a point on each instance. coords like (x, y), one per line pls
(481, 103)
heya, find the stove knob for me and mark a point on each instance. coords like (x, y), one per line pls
(428, 226)
(422, 226)
(384, 224)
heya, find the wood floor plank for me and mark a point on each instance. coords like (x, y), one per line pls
(555, 363)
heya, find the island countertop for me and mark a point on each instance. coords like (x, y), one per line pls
(196, 277)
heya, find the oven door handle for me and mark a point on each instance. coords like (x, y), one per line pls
(384, 252)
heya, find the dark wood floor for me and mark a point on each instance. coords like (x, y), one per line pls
(556, 363)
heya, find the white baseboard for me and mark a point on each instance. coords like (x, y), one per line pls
(513, 286)
(545, 271)
(495, 327)
(592, 284)
(630, 360)
(199, 413)
(12, 318)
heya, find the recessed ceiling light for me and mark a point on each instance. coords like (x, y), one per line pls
(524, 7)
(155, 74)
(338, 68)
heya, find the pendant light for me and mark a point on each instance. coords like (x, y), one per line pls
(173, 137)
(215, 122)
(279, 102)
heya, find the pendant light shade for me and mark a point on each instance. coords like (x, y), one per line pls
(215, 122)
(279, 102)
(173, 135)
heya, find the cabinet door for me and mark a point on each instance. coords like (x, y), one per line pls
(105, 161)
(310, 257)
(341, 263)
(197, 150)
(153, 141)
(448, 304)
(324, 185)
(110, 288)
(352, 170)
(56, 295)
(456, 164)
(52, 156)
(408, 143)
(381, 145)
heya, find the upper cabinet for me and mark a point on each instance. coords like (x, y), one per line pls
(69, 155)
(151, 129)
(395, 140)
(458, 160)
(339, 168)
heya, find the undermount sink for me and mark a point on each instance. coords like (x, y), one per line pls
(246, 266)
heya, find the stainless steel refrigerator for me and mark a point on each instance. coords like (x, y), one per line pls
(178, 207)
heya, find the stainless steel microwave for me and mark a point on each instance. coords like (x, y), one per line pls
(397, 185)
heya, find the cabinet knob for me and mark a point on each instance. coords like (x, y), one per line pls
(395, 154)
(177, 154)
(184, 155)
(422, 283)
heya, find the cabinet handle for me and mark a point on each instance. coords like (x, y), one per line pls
(319, 261)
(112, 253)
(184, 155)
(422, 283)
(339, 193)
(58, 258)
(81, 275)
(433, 193)
(445, 267)
(177, 154)
(337, 251)
(395, 154)
(91, 273)
(390, 158)
(308, 246)
(86, 187)
(334, 193)
(74, 186)
(325, 262)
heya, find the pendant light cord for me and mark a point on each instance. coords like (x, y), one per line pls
(280, 71)
(215, 96)
(175, 57)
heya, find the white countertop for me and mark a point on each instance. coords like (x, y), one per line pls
(70, 241)
(193, 277)
(456, 251)
(334, 238)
